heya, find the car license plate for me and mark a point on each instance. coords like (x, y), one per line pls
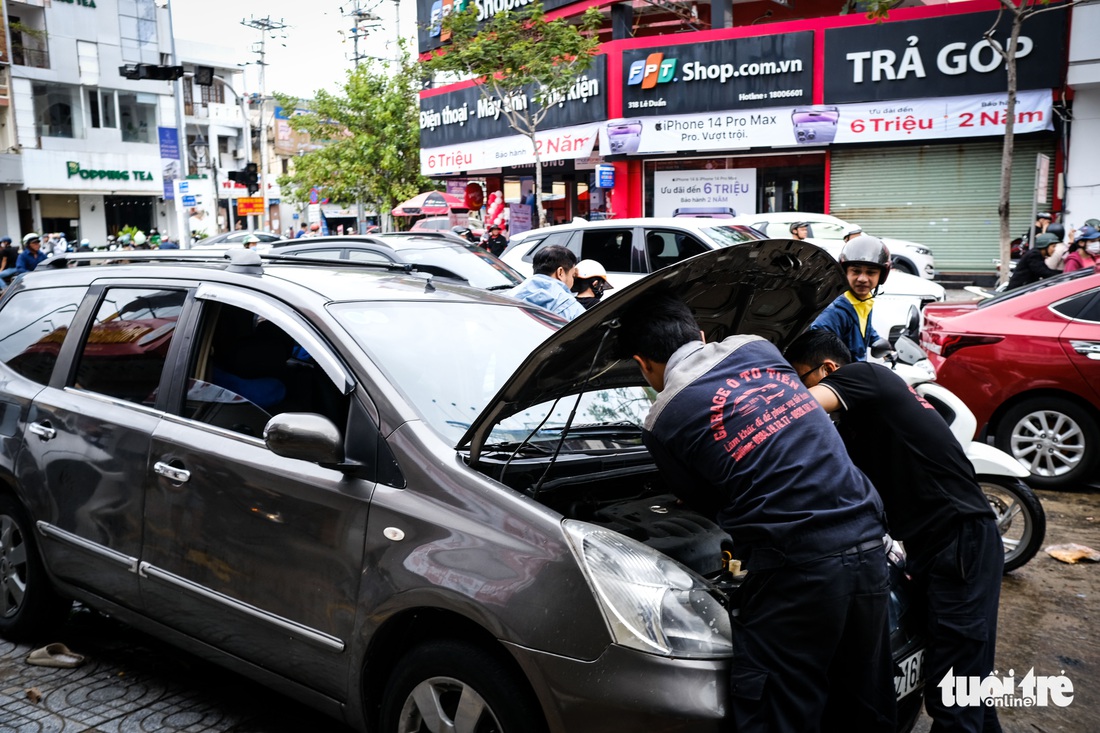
(912, 674)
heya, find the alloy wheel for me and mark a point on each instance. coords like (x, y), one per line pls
(446, 705)
(1048, 443)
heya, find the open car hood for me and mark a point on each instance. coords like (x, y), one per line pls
(772, 288)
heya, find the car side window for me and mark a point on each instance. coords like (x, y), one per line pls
(559, 238)
(124, 353)
(246, 369)
(33, 326)
(610, 247)
(320, 254)
(1082, 307)
(367, 255)
(666, 247)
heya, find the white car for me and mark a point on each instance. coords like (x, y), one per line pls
(908, 257)
(629, 249)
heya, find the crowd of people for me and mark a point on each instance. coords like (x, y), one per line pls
(1052, 252)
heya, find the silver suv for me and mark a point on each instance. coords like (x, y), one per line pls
(362, 486)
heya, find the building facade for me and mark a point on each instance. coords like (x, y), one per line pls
(897, 126)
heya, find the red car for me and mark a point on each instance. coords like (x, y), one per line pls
(1027, 362)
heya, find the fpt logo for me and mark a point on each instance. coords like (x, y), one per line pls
(656, 69)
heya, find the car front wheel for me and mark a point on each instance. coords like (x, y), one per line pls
(457, 687)
(900, 265)
(28, 605)
(1054, 439)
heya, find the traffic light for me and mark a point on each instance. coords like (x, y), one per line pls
(252, 178)
(150, 71)
(249, 177)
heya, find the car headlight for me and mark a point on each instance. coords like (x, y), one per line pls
(651, 602)
(922, 250)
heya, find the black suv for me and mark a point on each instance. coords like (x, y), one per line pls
(358, 484)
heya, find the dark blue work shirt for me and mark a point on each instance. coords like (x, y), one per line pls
(739, 438)
(27, 260)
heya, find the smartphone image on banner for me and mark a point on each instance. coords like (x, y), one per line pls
(815, 125)
(716, 212)
(624, 137)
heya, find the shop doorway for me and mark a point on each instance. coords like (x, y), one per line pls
(127, 211)
(60, 213)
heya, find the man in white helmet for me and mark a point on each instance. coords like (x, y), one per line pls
(590, 282)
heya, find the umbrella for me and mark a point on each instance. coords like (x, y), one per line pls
(430, 203)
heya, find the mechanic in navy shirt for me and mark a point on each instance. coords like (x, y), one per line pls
(737, 437)
(933, 504)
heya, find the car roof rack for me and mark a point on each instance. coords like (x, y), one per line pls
(245, 261)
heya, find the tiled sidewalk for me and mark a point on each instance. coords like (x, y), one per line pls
(132, 683)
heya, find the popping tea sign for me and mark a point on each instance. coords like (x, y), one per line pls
(699, 193)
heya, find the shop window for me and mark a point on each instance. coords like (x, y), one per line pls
(101, 106)
(137, 25)
(29, 45)
(138, 117)
(127, 346)
(57, 111)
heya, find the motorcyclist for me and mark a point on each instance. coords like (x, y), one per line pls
(590, 282)
(1032, 266)
(800, 229)
(866, 263)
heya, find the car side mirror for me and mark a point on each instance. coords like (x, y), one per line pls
(305, 436)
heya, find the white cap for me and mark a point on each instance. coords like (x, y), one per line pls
(852, 230)
(592, 268)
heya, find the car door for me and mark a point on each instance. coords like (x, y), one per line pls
(88, 433)
(1080, 338)
(254, 553)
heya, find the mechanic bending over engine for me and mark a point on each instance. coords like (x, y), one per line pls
(933, 504)
(811, 644)
(866, 263)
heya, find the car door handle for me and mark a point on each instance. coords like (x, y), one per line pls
(42, 430)
(179, 475)
(1090, 349)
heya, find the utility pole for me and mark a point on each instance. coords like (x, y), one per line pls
(182, 220)
(364, 20)
(266, 26)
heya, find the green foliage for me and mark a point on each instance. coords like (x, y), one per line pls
(370, 142)
(516, 53)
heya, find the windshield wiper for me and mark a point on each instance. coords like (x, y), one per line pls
(596, 429)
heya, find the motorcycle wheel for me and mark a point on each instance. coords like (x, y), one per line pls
(1019, 515)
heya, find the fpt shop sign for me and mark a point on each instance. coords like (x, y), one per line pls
(741, 73)
(940, 57)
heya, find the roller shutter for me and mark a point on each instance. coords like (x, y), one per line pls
(943, 196)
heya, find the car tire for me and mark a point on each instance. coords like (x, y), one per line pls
(29, 606)
(905, 266)
(1019, 516)
(1055, 440)
(434, 678)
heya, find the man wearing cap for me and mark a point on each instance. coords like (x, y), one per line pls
(851, 232)
(1032, 266)
(590, 283)
(31, 255)
(1042, 221)
(495, 242)
(800, 230)
(251, 241)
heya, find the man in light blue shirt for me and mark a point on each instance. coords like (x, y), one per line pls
(551, 285)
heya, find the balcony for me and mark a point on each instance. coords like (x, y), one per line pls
(28, 50)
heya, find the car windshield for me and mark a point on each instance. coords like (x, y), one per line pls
(470, 262)
(1038, 285)
(731, 234)
(828, 230)
(460, 360)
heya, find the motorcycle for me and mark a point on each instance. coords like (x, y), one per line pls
(1019, 514)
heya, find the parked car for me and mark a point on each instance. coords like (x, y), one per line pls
(631, 248)
(1027, 363)
(908, 257)
(236, 239)
(470, 263)
(443, 224)
(363, 490)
